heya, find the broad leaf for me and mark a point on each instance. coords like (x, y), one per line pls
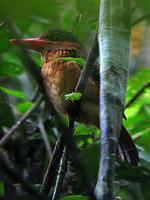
(24, 107)
(14, 93)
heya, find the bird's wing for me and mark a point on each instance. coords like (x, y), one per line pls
(95, 74)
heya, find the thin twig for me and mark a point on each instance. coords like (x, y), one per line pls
(60, 175)
(35, 95)
(52, 166)
(2, 24)
(76, 23)
(140, 92)
(87, 70)
(8, 135)
(140, 19)
(85, 74)
(45, 138)
(14, 175)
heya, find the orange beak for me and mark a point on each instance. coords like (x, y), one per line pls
(36, 44)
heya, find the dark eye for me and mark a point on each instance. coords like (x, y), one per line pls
(58, 37)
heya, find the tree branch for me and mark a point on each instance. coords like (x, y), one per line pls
(87, 70)
(77, 20)
(8, 135)
(52, 166)
(140, 92)
(140, 19)
(45, 138)
(60, 175)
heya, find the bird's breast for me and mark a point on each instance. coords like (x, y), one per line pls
(60, 78)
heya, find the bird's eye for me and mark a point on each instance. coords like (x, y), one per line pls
(58, 37)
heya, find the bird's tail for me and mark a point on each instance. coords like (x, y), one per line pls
(127, 149)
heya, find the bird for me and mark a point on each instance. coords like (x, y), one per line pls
(61, 75)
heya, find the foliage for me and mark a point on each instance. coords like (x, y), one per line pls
(33, 18)
(79, 61)
(74, 96)
(15, 93)
(74, 197)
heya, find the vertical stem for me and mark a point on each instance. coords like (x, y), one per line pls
(60, 175)
(45, 137)
(114, 38)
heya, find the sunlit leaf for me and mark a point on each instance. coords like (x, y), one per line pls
(82, 130)
(24, 107)
(74, 96)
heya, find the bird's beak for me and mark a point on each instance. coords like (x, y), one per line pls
(36, 44)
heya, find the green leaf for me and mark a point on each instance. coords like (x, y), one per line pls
(2, 191)
(11, 69)
(90, 158)
(75, 197)
(140, 174)
(82, 130)
(90, 10)
(143, 141)
(63, 118)
(6, 115)
(68, 20)
(74, 96)
(145, 190)
(144, 157)
(24, 107)
(79, 61)
(31, 19)
(14, 93)
(144, 4)
(5, 45)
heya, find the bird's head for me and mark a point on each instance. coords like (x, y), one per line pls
(51, 41)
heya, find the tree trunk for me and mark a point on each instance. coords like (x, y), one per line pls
(114, 38)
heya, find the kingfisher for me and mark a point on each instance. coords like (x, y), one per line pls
(61, 75)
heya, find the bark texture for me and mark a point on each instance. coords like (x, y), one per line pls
(114, 37)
